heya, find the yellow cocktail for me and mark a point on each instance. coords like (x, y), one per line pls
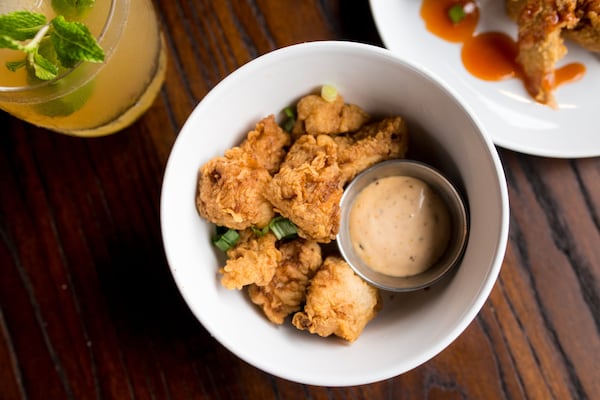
(92, 99)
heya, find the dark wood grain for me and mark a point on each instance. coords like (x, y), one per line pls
(88, 309)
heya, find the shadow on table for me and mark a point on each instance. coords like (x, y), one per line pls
(357, 23)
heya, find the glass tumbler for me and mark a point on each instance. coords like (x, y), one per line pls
(92, 99)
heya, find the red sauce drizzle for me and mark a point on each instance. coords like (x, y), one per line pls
(490, 56)
(435, 15)
(569, 73)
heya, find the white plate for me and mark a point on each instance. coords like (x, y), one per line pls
(508, 113)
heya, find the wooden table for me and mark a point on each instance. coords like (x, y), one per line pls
(88, 309)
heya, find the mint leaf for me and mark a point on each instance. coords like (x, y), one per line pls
(21, 25)
(8, 43)
(46, 49)
(43, 68)
(71, 9)
(73, 43)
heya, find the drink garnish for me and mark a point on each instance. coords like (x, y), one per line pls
(65, 43)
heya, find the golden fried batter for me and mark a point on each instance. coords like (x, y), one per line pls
(317, 116)
(286, 292)
(231, 191)
(540, 44)
(338, 302)
(308, 188)
(375, 142)
(542, 25)
(253, 260)
(266, 143)
(587, 30)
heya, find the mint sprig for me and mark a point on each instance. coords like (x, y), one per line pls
(70, 43)
(73, 43)
(20, 25)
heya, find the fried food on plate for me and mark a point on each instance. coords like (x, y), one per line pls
(308, 188)
(338, 302)
(375, 142)
(316, 116)
(253, 260)
(542, 25)
(231, 189)
(286, 292)
(587, 30)
(540, 44)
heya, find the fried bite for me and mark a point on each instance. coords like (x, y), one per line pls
(286, 292)
(338, 302)
(587, 31)
(542, 26)
(317, 116)
(253, 260)
(540, 44)
(267, 144)
(231, 189)
(373, 143)
(308, 188)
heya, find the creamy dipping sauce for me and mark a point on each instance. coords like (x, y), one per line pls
(399, 226)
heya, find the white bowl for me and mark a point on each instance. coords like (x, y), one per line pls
(412, 327)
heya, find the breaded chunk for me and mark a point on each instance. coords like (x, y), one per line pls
(540, 44)
(338, 302)
(286, 292)
(231, 191)
(542, 26)
(587, 31)
(253, 260)
(308, 188)
(317, 116)
(373, 143)
(266, 143)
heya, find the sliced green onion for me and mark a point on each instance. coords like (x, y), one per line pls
(456, 13)
(289, 112)
(329, 93)
(290, 119)
(282, 228)
(260, 232)
(225, 238)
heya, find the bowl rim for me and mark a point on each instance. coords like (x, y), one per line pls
(362, 49)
